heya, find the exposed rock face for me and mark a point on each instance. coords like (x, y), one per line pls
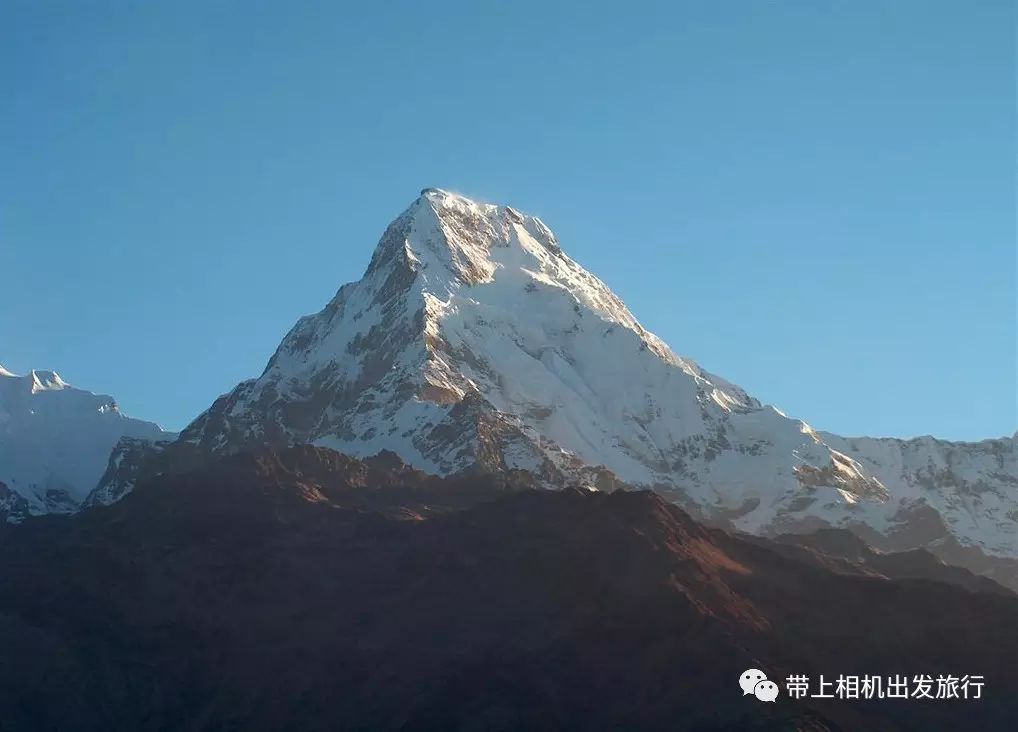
(302, 589)
(55, 441)
(12, 504)
(474, 342)
(131, 460)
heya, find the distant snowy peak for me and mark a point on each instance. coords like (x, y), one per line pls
(56, 440)
(474, 341)
(34, 381)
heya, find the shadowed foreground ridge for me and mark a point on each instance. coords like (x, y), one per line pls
(302, 589)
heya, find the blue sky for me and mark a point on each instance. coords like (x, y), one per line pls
(814, 200)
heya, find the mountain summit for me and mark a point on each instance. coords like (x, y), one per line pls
(474, 341)
(471, 317)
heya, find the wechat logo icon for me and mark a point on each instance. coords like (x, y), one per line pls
(754, 681)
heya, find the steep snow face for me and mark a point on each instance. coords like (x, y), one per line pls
(55, 441)
(473, 339)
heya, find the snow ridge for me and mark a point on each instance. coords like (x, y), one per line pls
(55, 441)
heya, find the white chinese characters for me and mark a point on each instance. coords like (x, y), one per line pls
(897, 686)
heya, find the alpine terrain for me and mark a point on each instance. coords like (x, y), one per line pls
(473, 342)
(56, 441)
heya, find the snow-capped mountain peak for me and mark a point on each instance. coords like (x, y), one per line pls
(34, 381)
(474, 341)
(453, 248)
(46, 381)
(55, 441)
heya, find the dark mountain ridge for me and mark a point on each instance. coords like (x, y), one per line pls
(303, 589)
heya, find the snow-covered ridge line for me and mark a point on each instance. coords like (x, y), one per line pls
(55, 441)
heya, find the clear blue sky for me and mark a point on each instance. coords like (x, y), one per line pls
(813, 199)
